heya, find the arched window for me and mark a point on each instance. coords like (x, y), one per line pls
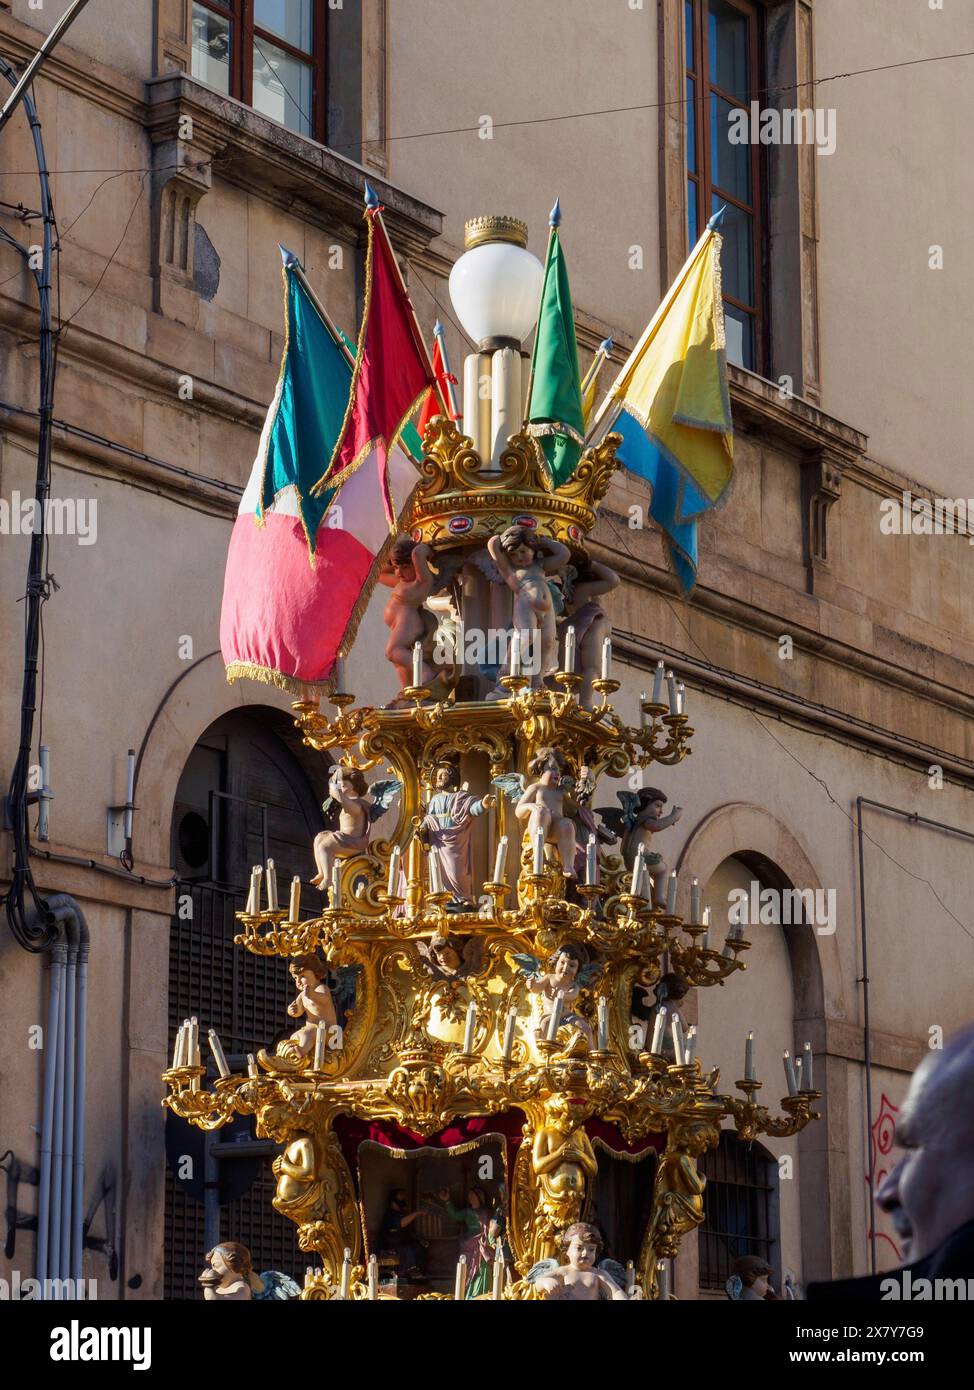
(741, 1209)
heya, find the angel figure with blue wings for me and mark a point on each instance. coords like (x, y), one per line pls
(359, 807)
(567, 975)
(229, 1275)
(639, 819)
(580, 1277)
(540, 803)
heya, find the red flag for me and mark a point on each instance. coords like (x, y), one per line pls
(392, 369)
(433, 405)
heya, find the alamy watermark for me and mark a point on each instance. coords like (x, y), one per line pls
(765, 125)
(19, 1290)
(756, 906)
(922, 516)
(58, 516)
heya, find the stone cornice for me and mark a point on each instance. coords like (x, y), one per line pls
(75, 71)
(758, 405)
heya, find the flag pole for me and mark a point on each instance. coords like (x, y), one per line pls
(554, 222)
(663, 308)
(292, 263)
(374, 208)
(598, 361)
(454, 404)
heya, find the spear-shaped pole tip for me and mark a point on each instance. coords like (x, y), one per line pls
(554, 216)
(605, 346)
(371, 197)
(288, 257)
(717, 218)
(437, 329)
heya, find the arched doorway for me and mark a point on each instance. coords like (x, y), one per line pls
(249, 790)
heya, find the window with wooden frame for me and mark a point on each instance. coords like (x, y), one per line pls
(741, 1206)
(723, 75)
(270, 54)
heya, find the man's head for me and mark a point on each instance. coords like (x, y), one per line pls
(446, 777)
(930, 1192)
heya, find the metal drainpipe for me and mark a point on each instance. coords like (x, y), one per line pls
(58, 958)
(78, 1120)
(57, 1168)
(67, 1161)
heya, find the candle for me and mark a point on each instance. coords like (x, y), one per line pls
(790, 1077)
(663, 1268)
(749, 1058)
(460, 1283)
(554, 1018)
(194, 1041)
(509, 1034)
(435, 875)
(294, 908)
(603, 1031)
(671, 893)
(346, 1274)
(216, 1047)
(606, 657)
(695, 901)
(643, 716)
(498, 1289)
(538, 853)
(807, 1067)
(676, 1027)
(469, 1029)
(516, 653)
(658, 675)
(658, 1027)
(321, 1039)
(395, 859)
(691, 1047)
(253, 902)
(417, 664)
(671, 689)
(177, 1052)
(251, 1065)
(637, 872)
(706, 935)
(271, 886)
(500, 861)
(338, 675)
(336, 884)
(798, 1072)
(630, 1276)
(591, 861)
(681, 698)
(570, 649)
(373, 1278)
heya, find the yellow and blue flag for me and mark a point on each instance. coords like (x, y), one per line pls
(671, 405)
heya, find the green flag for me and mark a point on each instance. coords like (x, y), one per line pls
(555, 415)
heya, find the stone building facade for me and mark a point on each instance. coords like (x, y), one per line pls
(829, 665)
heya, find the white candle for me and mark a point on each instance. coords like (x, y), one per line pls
(516, 653)
(643, 716)
(649, 892)
(468, 1031)
(271, 886)
(570, 649)
(664, 1278)
(216, 1047)
(251, 1065)
(790, 1077)
(500, 861)
(637, 872)
(554, 1019)
(346, 1274)
(336, 884)
(695, 902)
(658, 1027)
(177, 1053)
(338, 676)
(749, 1058)
(630, 1276)
(509, 1033)
(498, 1288)
(417, 664)
(253, 903)
(435, 875)
(395, 858)
(373, 1278)
(591, 861)
(681, 698)
(807, 1068)
(194, 1041)
(321, 1039)
(294, 909)
(460, 1282)
(603, 1030)
(676, 1028)
(691, 1047)
(671, 689)
(606, 658)
(658, 676)
(706, 923)
(538, 852)
(671, 893)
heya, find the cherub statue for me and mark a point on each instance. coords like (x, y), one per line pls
(567, 974)
(360, 807)
(446, 959)
(640, 818)
(562, 1158)
(408, 574)
(448, 828)
(584, 585)
(313, 1001)
(524, 562)
(580, 1277)
(667, 992)
(541, 803)
(229, 1275)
